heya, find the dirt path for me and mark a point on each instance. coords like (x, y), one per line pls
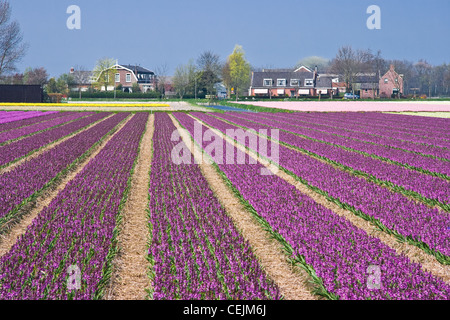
(129, 279)
(428, 262)
(8, 239)
(292, 281)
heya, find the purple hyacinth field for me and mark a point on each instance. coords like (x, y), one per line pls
(224, 206)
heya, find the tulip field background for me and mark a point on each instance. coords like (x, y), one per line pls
(355, 192)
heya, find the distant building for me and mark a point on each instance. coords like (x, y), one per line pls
(290, 83)
(391, 83)
(221, 91)
(388, 85)
(127, 75)
(83, 79)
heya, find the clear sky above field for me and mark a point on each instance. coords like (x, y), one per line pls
(272, 33)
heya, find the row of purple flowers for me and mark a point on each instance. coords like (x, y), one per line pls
(41, 126)
(424, 225)
(35, 118)
(77, 232)
(11, 116)
(409, 160)
(368, 134)
(195, 252)
(332, 249)
(434, 188)
(24, 147)
(31, 177)
(404, 126)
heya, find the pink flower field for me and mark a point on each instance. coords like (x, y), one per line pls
(356, 106)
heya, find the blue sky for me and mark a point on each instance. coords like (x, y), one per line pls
(272, 33)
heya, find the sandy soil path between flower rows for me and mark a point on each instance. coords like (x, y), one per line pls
(294, 283)
(49, 146)
(7, 240)
(428, 262)
(130, 267)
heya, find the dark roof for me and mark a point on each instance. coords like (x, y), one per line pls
(258, 78)
(137, 69)
(369, 86)
(324, 82)
(366, 78)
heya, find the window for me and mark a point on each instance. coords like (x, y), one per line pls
(267, 82)
(295, 82)
(117, 79)
(128, 77)
(386, 80)
(309, 82)
(281, 82)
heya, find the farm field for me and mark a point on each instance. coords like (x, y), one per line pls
(355, 106)
(193, 205)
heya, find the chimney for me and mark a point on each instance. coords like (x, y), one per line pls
(392, 67)
(72, 70)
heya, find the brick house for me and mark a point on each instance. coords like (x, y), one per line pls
(391, 83)
(301, 82)
(127, 75)
(388, 85)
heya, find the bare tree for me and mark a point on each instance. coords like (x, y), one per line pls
(11, 48)
(348, 63)
(210, 67)
(36, 76)
(162, 74)
(424, 69)
(81, 77)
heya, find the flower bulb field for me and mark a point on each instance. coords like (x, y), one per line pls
(224, 205)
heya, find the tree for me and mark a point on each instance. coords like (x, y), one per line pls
(11, 48)
(446, 80)
(104, 73)
(65, 82)
(81, 77)
(313, 61)
(52, 86)
(36, 76)
(162, 74)
(226, 78)
(210, 67)
(424, 70)
(238, 70)
(375, 65)
(348, 63)
(135, 87)
(181, 80)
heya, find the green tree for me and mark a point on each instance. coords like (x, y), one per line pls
(64, 83)
(238, 69)
(135, 87)
(104, 73)
(52, 86)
